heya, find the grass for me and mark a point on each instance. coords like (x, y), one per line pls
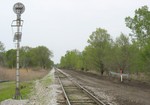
(46, 81)
(7, 90)
(26, 88)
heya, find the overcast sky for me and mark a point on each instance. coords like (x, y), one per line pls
(63, 25)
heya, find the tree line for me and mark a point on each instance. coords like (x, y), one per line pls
(29, 57)
(129, 53)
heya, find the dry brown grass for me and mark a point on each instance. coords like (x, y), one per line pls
(25, 74)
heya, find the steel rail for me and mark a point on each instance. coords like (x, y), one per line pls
(99, 102)
(66, 97)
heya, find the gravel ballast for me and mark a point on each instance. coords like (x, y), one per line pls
(44, 93)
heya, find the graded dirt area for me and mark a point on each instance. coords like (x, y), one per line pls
(114, 92)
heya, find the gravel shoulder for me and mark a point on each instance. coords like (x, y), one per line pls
(44, 93)
(115, 93)
(48, 92)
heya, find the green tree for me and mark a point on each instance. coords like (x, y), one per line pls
(100, 43)
(25, 58)
(62, 62)
(122, 53)
(140, 25)
(145, 57)
(2, 52)
(30, 57)
(72, 60)
(2, 48)
(11, 58)
(136, 62)
(40, 56)
(88, 58)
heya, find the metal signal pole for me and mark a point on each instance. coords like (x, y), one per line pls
(17, 24)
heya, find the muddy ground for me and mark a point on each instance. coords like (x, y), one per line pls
(112, 90)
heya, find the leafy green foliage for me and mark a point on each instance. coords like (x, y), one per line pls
(140, 25)
(2, 50)
(123, 53)
(11, 58)
(103, 55)
(71, 60)
(93, 57)
(29, 57)
(99, 41)
(40, 56)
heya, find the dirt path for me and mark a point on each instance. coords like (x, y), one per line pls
(114, 93)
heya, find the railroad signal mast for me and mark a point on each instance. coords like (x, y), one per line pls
(16, 25)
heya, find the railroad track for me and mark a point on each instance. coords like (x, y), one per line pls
(74, 93)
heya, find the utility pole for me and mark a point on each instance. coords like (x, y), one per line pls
(17, 24)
